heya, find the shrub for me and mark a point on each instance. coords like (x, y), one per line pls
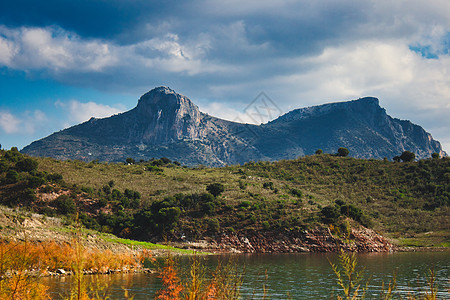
(116, 194)
(351, 211)
(330, 214)
(339, 202)
(153, 168)
(208, 207)
(3, 166)
(215, 189)
(407, 156)
(106, 189)
(319, 152)
(13, 155)
(130, 194)
(268, 185)
(102, 202)
(26, 165)
(28, 196)
(65, 205)
(169, 215)
(12, 176)
(343, 152)
(35, 181)
(297, 193)
(165, 160)
(55, 177)
(265, 225)
(213, 225)
(245, 204)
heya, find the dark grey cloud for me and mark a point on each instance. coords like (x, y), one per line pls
(89, 18)
(298, 52)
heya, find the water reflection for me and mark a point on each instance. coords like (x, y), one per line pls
(302, 276)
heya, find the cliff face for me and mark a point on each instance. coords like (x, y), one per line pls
(167, 116)
(168, 124)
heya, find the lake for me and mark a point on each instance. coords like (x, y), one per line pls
(302, 275)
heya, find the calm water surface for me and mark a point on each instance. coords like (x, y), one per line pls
(301, 276)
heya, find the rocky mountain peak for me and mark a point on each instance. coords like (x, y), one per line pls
(168, 116)
(165, 123)
(366, 105)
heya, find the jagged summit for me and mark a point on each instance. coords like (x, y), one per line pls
(165, 123)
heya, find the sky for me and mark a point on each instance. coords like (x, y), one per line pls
(63, 61)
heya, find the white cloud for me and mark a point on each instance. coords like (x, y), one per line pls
(26, 123)
(9, 123)
(225, 112)
(60, 51)
(52, 48)
(299, 52)
(82, 111)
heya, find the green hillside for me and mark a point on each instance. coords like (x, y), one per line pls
(159, 199)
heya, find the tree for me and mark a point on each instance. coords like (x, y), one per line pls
(407, 156)
(215, 189)
(343, 152)
(435, 155)
(65, 205)
(319, 151)
(26, 165)
(330, 214)
(396, 158)
(130, 161)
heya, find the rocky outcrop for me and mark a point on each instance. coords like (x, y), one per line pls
(318, 240)
(167, 124)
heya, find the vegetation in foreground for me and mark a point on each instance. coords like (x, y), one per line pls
(22, 265)
(159, 199)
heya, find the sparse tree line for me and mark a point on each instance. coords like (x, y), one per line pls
(124, 212)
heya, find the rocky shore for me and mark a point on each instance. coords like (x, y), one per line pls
(317, 240)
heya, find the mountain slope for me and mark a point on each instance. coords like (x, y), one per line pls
(168, 124)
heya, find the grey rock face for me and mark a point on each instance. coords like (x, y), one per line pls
(167, 124)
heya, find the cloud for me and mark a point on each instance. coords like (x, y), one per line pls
(78, 112)
(225, 112)
(9, 123)
(298, 52)
(26, 123)
(52, 49)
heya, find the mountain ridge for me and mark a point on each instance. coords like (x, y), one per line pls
(167, 124)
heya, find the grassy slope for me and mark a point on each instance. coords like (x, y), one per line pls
(393, 195)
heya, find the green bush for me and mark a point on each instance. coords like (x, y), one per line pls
(343, 152)
(215, 189)
(3, 166)
(244, 204)
(297, 193)
(407, 156)
(213, 225)
(65, 205)
(351, 211)
(55, 177)
(154, 169)
(330, 214)
(26, 165)
(208, 208)
(35, 181)
(12, 176)
(268, 185)
(13, 155)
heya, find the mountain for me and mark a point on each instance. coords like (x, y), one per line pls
(167, 124)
